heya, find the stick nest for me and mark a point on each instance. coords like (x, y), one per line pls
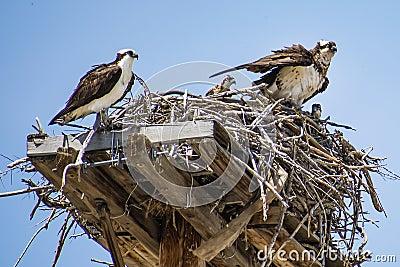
(327, 177)
(326, 181)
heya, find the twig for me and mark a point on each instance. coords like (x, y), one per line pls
(297, 228)
(64, 233)
(77, 235)
(39, 126)
(275, 236)
(110, 264)
(26, 190)
(340, 125)
(266, 183)
(45, 226)
(17, 162)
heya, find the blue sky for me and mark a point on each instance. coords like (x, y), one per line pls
(46, 46)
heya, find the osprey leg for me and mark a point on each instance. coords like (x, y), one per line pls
(104, 116)
(101, 119)
(96, 125)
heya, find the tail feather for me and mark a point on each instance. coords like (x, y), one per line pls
(228, 70)
(58, 118)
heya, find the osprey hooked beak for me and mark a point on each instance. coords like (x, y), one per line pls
(327, 44)
(229, 79)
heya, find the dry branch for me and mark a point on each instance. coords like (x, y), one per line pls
(26, 190)
(65, 229)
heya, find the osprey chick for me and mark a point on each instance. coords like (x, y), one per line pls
(100, 88)
(225, 85)
(316, 111)
(293, 73)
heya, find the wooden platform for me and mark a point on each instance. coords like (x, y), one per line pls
(227, 232)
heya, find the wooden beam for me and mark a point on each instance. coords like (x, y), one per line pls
(227, 235)
(208, 223)
(223, 164)
(178, 131)
(303, 235)
(82, 195)
(273, 217)
(48, 145)
(205, 221)
(132, 253)
(109, 233)
(225, 238)
(261, 238)
(178, 241)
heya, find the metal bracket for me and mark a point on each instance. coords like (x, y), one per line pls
(118, 160)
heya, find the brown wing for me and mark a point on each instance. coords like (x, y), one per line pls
(296, 55)
(323, 88)
(96, 83)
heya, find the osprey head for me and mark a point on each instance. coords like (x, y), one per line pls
(126, 53)
(316, 110)
(325, 50)
(228, 81)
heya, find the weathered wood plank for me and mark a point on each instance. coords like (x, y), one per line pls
(303, 235)
(133, 252)
(205, 221)
(178, 241)
(223, 164)
(99, 183)
(225, 238)
(273, 217)
(261, 238)
(172, 132)
(109, 233)
(48, 145)
(74, 190)
(138, 158)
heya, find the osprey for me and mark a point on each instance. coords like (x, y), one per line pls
(225, 85)
(100, 88)
(316, 111)
(293, 73)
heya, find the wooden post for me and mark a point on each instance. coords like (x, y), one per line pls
(178, 241)
(109, 233)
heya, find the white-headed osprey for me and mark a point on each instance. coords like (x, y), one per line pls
(293, 73)
(225, 85)
(101, 87)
